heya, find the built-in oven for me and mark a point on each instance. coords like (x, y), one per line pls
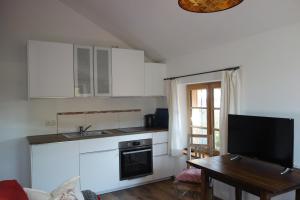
(136, 159)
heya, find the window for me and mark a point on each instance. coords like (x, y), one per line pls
(204, 103)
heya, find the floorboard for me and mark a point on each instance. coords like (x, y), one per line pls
(163, 190)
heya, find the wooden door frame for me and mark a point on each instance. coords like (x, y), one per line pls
(209, 86)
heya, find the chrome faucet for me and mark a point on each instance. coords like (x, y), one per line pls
(83, 130)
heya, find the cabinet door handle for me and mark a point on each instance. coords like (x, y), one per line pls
(139, 151)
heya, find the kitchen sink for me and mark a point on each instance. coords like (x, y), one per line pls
(86, 134)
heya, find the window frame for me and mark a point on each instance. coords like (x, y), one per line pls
(209, 86)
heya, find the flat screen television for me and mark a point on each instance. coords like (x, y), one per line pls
(264, 138)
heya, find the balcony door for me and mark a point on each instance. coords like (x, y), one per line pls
(204, 102)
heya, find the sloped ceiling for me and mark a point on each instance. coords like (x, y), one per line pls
(164, 30)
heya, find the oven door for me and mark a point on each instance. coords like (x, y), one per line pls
(135, 162)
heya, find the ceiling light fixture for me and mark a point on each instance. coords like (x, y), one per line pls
(207, 6)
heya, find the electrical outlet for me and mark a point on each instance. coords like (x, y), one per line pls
(49, 123)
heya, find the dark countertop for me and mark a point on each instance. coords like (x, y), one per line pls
(52, 138)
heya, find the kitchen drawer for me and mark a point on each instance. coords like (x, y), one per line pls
(160, 149)
(160, 137)
(109, 143)
(139, 136)
(100, 144)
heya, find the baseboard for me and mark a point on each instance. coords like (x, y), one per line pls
(134, 185)
(216, 198)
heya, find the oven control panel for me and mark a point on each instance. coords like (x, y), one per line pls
(135, 143)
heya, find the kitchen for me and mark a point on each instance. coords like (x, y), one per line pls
(109, 149)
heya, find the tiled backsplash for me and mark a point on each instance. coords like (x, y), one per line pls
(100, 120)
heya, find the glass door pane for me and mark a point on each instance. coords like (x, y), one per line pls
(217, 97)
(199, 131)
(200, 140)
(83, 70)
(199, 117)
(217, 139)
(217, 119)
(199, 98)
(102, 71)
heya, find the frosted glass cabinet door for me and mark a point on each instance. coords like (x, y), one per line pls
(102, 71)
(83, 70)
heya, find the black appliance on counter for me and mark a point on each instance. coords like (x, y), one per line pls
(136, 159)
(150, 121)
(162, 118)
(158, 120)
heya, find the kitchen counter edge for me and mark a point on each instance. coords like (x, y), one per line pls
(53, 138)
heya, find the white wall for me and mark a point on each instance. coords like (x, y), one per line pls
(51, 20)
(270, 74)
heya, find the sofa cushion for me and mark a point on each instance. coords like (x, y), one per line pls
(12, 190)
(34, 194)
(69, 190)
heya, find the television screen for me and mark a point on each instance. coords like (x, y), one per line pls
(265, 138)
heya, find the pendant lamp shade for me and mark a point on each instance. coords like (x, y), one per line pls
(207, 6)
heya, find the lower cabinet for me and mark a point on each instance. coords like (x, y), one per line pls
(99, 171)
(163, 164)
(163, 167)
(52, 164)
(96, 161)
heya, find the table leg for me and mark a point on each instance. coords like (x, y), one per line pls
(297, 194)
(238, 193)
(204, 185)
(265, 196)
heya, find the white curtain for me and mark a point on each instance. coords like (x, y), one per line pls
(177, 133)
(230, 103)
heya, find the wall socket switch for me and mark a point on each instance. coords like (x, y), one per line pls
(49, 123)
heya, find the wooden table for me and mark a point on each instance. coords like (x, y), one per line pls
(253, 176)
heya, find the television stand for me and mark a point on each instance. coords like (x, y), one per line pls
(236, 157)
(285, 171)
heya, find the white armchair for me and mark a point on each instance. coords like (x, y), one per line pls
(34, 194)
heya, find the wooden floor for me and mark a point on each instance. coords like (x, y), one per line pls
(163, 190)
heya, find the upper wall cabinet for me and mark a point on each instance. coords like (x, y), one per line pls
(154, 79)
(92, 71)
(102, 71)
(83, 71)
(128, 76)
(50, 69)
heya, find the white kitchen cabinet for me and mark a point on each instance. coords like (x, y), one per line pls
(83, 71)
(128, 77)
(92, 71)
(52, 164)
(99, 171)
(163, 167)
(160, 149)
(98, 144)
(96, 161)
(160, 137)
(163, 164)
(154, 79)
(102, 71)
(50, 69)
